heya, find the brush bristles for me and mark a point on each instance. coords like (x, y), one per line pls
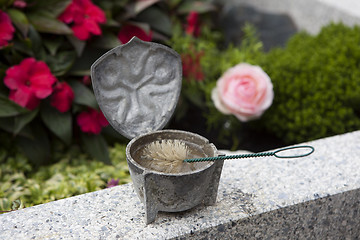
(165, 156)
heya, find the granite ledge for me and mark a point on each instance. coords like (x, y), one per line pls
(257, 197)
(332, 217)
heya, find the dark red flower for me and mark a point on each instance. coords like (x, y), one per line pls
(192, 67)
(128, 31)
(85, 17)
(91, 121)
(29, 82)
(6, 29)
(62, 97)
(86, 80)
(193, 26)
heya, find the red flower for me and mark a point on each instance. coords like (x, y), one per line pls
(85, 17)
(129, 31)
(91, 121)
(193, 26)
(191, 66)
(62, 97)
(86, 80)
(29, 82)
(6, 29)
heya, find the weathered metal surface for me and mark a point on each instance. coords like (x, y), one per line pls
(137, 86)
(173, 192)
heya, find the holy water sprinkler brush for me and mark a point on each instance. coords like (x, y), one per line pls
(165, 155)
(278, 153)
(173, 156)
(137, 86)
(168, 156)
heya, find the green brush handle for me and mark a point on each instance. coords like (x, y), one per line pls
(250, 155)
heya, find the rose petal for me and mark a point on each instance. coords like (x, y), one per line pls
(218, 104)
(244, 90)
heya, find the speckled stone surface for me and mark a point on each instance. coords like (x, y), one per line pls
(314, 197)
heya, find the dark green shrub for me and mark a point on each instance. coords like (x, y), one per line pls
(316, 83)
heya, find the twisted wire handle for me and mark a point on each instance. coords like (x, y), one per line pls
(250, 155)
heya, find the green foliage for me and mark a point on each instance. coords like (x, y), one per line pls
(33, 169)
(315, 78)
(215, 60)
(73, 173)
(40, 34)
(316, 84)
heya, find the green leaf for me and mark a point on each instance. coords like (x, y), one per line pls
(61, 63)
(17, 204)
(157, 19)
(194, 97)
(96, 146)
(36, 43)
(56, 7)
(88, 57)
(107, 41)
(22, 120)
(173, 3)
(58, 123)
(21, 47)
(80, 73)
(112, 135)
(83, 95)
(53, 7)
(197, 6)
(26, 132)
(20, 21)
(53, 44)
(4, 3)
(38, 148)
(9, 108)
(77, 44)
(142, 5)
(7, 124)
(44, 22)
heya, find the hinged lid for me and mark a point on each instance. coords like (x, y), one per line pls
(137, 86)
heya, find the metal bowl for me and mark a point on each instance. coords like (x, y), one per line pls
(173, 192)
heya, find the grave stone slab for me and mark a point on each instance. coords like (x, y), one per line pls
(314, 197)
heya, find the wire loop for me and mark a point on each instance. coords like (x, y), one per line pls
(294, 156)
(250, 155)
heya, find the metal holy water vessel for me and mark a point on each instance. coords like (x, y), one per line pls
(137, 86)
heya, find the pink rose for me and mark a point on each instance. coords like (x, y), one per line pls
(245, 91)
